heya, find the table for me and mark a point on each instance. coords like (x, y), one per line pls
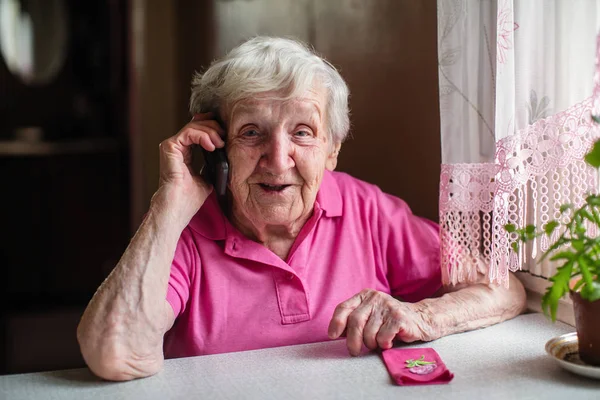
(505, 361)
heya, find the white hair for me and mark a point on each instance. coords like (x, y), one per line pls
(267, 64)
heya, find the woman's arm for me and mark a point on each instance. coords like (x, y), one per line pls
(121, 331)
(376, 319)
(467, 307)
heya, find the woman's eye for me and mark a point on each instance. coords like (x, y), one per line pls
(250, 133)
(302, 133)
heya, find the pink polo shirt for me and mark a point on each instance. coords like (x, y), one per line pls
(230, 293)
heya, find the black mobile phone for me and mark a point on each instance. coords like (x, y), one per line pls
(216, 169)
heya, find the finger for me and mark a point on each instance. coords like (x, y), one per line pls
(212, 128)
(387, 332)
(407, 335)
(205, 136)
(372, 329)
(203, 116)
(210, 124)
(337, 325)
(355, 330)
(206, 143)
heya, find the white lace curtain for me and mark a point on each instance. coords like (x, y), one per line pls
(515, 80)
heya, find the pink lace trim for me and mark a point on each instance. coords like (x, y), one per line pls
(466, 203)
(536, 170)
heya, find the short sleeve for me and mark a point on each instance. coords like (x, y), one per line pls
(410, 246)
(182, 274)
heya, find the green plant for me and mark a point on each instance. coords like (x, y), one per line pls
(576, 251)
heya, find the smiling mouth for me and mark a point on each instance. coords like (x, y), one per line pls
(273, 188)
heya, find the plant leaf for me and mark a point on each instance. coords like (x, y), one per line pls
(596, 216)
(529, 229)
(577, 244)
(584, 266)
(515, 246)
(593, 199)
(591, 293)
(593, 157)
(564, 255)
(557, 290)
(565, 207)
(510, 228)
(585, 214)
(596, 118)
(554, 247)
(578, 285)
(550, 227)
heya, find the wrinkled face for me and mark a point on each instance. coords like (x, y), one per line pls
(278, 152)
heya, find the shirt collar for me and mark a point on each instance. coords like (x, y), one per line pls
(329, 197)
(210, 221)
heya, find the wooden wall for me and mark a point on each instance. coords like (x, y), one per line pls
(385, 49)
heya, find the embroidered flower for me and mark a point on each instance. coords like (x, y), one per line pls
(537, 110)
(506, 26)
(423, 369)
(420, 366)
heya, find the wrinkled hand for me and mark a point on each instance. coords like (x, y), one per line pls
(177, 177)
(376, 319)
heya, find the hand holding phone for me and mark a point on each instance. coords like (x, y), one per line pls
(216, 167)
(180, 163)
(216, 170)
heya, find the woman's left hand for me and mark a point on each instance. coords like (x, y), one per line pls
(376, 319)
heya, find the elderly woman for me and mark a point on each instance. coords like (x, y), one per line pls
(295, 252)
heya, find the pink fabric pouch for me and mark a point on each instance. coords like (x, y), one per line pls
(421, 366)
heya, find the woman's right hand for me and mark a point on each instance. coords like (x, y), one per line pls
(181, 189)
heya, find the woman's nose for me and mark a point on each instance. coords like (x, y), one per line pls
(277, 157)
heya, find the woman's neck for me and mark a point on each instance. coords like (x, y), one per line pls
(277, 238)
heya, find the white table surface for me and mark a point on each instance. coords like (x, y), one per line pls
(506, 361)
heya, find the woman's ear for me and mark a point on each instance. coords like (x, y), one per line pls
(332, 158)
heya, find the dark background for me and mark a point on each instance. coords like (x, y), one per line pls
(68, 211)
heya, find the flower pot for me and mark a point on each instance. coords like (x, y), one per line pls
(587, 323)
